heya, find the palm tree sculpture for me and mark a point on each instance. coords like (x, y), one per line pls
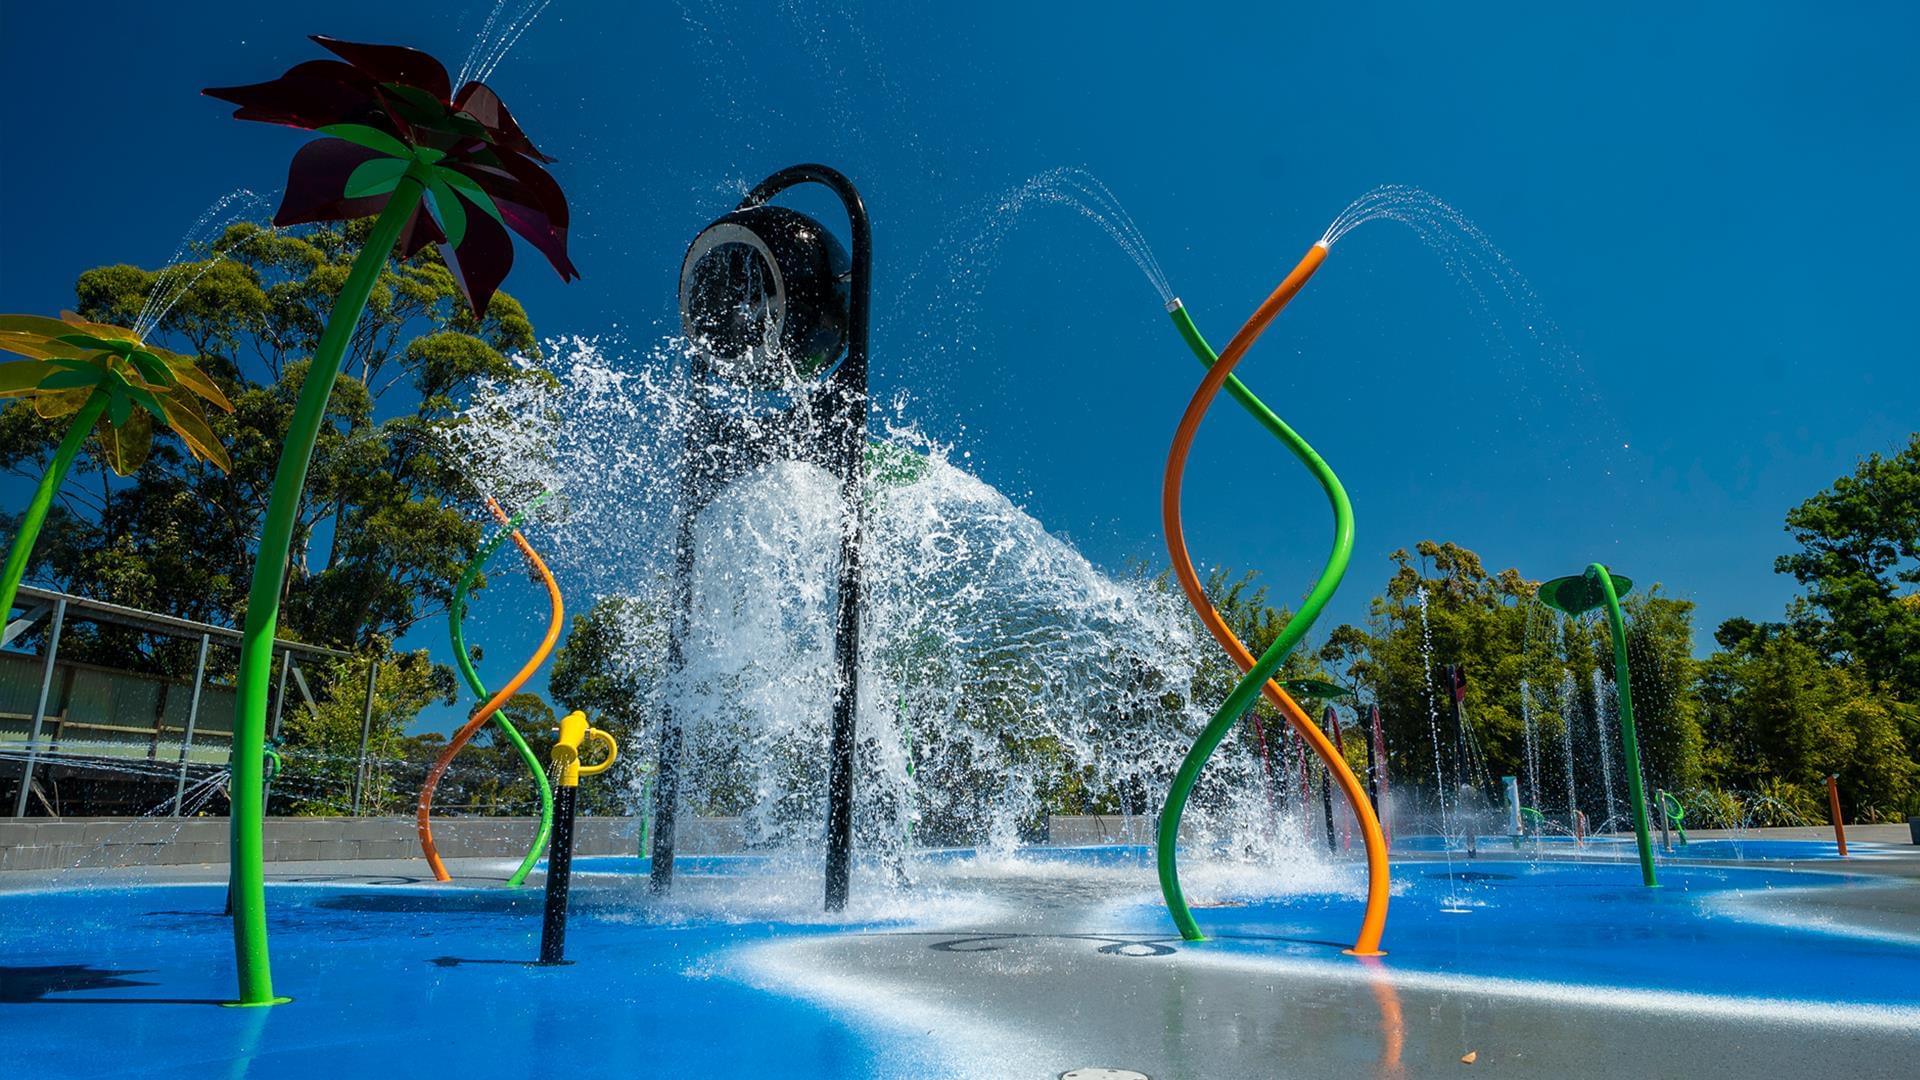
(400, 141)
(109, 381)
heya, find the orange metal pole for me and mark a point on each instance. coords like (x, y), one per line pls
(1833, 806)
(1373, 923)
(422, 822)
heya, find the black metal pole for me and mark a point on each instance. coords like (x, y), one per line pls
(1329, 722)
(666, 790)
(851, 420)
(553, 923)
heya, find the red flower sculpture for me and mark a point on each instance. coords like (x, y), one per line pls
(391, 114)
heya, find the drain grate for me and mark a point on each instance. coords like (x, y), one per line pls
(1094, 1072)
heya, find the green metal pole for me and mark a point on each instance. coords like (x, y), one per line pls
(1248, 689)
(248, 875)
(1618, 625)
(36, 516)
(464, 660)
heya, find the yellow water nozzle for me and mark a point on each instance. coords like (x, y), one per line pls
(574, 730)
(605, 763)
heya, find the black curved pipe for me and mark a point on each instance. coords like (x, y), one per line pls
(846, 389)
(851, 421)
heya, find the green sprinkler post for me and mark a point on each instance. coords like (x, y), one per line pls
(456, 620)
(1674, 815)
(255, 677)
(1577, 596)
(372, 161)
(266, 793)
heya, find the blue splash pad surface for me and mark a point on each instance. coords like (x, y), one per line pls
(95, 982)
(1618, 847)
(121, 981)
(1586, 923)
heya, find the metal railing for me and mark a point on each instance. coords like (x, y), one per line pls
(90, 716)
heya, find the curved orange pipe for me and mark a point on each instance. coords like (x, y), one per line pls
(1374, 923)
(421, 819)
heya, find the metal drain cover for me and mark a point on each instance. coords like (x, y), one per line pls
(1094, 1072)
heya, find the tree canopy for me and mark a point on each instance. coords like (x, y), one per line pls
(381, 535)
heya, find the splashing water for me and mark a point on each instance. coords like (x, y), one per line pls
(994, 659)
(498, 35)
(1605, 711)
(1452, 903)
(1087, 195)
(951, 279)
(1530, 743)
(181, 270)
(1568, 705)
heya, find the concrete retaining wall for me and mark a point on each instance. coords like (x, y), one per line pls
(56, 843)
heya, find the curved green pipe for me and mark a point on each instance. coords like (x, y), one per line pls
(1248, 689)
(1629, 740)
(254, 680)
(1676, 813)
(1190, 334)
(456, 616)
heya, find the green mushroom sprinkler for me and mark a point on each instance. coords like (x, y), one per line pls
(1578, 595)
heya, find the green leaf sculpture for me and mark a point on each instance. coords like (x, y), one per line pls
(110, 382)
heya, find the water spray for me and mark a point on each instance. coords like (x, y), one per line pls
(769, 299)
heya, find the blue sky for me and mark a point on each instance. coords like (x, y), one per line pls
(1711, 206)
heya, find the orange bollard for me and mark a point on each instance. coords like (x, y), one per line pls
(1833, 806)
